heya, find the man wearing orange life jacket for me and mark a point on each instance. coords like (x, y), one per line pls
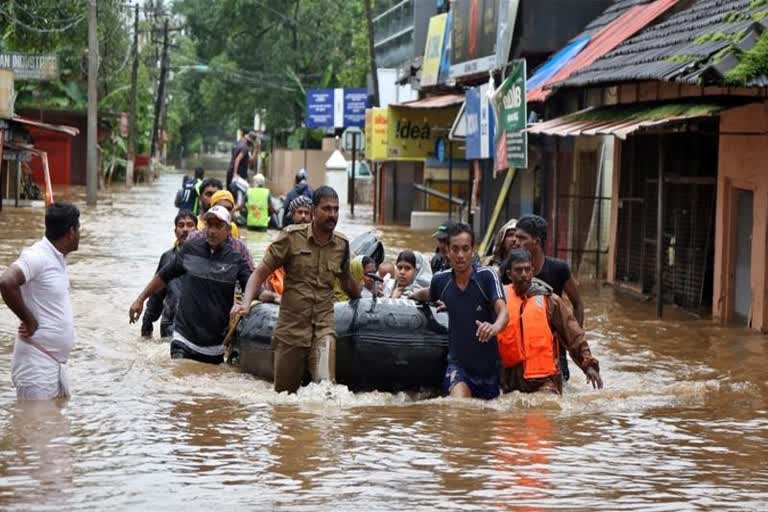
(539, 323)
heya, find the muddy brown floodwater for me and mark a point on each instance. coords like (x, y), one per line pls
(681, 425)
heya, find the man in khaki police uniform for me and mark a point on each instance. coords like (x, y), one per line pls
(313, 256)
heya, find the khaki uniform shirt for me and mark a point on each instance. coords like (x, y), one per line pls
(306, 309)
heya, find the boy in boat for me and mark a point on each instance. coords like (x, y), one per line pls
(477, 312)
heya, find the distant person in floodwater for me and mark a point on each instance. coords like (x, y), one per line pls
(301, 188)
(190, 192)
(36, 288)
(539, 324)
(163, 303)
(531, 235)
(241, 155)
(259, 204)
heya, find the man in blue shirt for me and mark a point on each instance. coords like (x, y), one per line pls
(477, 311)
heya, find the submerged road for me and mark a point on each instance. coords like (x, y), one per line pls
(681, 425)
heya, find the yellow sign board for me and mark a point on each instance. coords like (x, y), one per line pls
(433, 51)
(376, 129)
(413, 132)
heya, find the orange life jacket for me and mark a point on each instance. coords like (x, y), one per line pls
(277, 281)
(527, 337)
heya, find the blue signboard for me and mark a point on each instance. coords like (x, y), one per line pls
(355, 103)
(320, 108)
(336, 108)
(480, 125)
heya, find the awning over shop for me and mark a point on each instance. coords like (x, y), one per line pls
(623, 120)
(446, 100)
(69, 130)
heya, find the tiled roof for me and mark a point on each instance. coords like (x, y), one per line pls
(696, 45)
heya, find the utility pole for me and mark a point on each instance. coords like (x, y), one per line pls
(372, 53)
(132, 114)
(92, 175)
(160, 90)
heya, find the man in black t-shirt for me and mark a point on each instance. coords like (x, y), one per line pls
(531, 234)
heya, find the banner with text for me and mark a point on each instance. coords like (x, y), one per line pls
(336, 108)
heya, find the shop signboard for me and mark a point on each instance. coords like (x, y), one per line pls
(376, 130)
(433, 50)
(336, 108)
(31, 67)
(511, 108)
(412, 132)
(479, 124)
(481, 35)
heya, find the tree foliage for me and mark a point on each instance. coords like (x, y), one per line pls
(263, 55)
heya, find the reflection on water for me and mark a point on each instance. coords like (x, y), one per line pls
(682, 424)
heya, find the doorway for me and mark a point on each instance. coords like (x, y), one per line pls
(742, 284)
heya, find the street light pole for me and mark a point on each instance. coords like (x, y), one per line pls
(93, 71)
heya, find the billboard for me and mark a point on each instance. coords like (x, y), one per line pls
(481, 35)
(412, 132)
(376, 129)
(433, 51)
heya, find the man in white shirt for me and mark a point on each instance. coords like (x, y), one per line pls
(36, 288)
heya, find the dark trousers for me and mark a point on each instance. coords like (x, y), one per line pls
(181, 351)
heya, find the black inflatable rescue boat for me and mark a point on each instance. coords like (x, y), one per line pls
(381, 344)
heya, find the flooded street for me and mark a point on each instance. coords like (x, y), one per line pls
(681, 425)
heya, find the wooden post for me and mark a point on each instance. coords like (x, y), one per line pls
(160, 92)
(660, 233)
(47, 177)
(18, 183)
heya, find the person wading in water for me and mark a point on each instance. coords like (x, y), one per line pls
(211, 265)
(539, 324)
(476, 311)
(36, 288)
(531, 235)
(314, 257)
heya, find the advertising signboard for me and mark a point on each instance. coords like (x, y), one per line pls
(479, 124)
(433, 51)
(481, 35)
(336, 108)
(412, 133)
(376, 130)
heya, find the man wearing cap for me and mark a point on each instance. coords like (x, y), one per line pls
(241, 155)
(222, 198)
(440, 259)
(209, 267)
(301, 188)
